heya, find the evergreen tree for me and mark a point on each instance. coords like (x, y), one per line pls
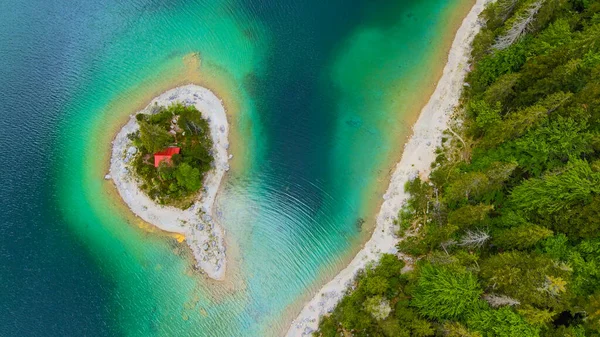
(576, 184)
(188, 177)
(441, 293)
(521, 237)
(153, 137)
(503, 322)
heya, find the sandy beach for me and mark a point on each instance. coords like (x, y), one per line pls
(419, 153)
(199, 224)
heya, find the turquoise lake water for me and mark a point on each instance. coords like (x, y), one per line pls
(322, 90)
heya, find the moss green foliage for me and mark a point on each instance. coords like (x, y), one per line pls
(441, 293)
(506, 232)
(503, 322)
(521, 237)
(177, 182)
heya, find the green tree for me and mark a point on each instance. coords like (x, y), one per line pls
(392, 328)
(351, 314)
(536, 317)
(486, 116)
(421, 328)
(471, 185)
(592, 308)
(557, 247)
(557, 191)
(153, 137)
(501, 92)
(469, 215)
(375, 285)
(581, 220)
(529, 278)
(547, 146)
(456, 329)
(188, 177)
(503, 322)
(557, 34)
(492, 66)
(521, 237)
(378, 307)
(584, 258)
(328, 327)
(517, 123)
(441, 293)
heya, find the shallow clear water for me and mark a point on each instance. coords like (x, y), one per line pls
(321, 93)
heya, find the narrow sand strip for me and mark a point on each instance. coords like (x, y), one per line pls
(419, 153)
(199, 223)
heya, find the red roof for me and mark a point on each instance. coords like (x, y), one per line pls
(165, 154)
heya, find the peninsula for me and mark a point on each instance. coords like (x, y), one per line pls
(187, 206)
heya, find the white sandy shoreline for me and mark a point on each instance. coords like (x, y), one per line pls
(199, 224)
(419, 153)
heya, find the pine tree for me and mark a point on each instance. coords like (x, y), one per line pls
(576, 184)
(153, 137)
(441, 293)
(521, 237)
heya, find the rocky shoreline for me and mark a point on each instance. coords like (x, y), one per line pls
(199, 224)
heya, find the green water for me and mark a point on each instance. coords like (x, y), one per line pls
(322, 91)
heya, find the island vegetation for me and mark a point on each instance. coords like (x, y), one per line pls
(503, 238)
(176, 178)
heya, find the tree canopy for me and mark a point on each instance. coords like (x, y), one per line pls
(175, 182)
(504, 236)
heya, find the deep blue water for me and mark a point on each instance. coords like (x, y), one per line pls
(318, 85)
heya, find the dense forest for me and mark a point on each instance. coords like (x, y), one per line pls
(503, 239)
(174, 182)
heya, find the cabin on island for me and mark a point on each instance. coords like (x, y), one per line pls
(165, 155)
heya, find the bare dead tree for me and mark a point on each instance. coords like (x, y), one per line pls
(520, 27)
(500, 300)
(474, 239)
(457, 136)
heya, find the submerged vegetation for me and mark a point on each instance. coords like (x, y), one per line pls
(175, 181)
(503, 239)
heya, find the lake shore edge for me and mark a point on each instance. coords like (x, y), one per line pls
(199, 224)
(418, 154)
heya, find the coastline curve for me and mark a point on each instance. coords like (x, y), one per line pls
(199, 223)
(418, 154)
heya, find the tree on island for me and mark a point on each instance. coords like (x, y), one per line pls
(177, 177)
(188, 177)
(153, 137)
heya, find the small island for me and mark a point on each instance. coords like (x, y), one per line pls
(167, 164)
